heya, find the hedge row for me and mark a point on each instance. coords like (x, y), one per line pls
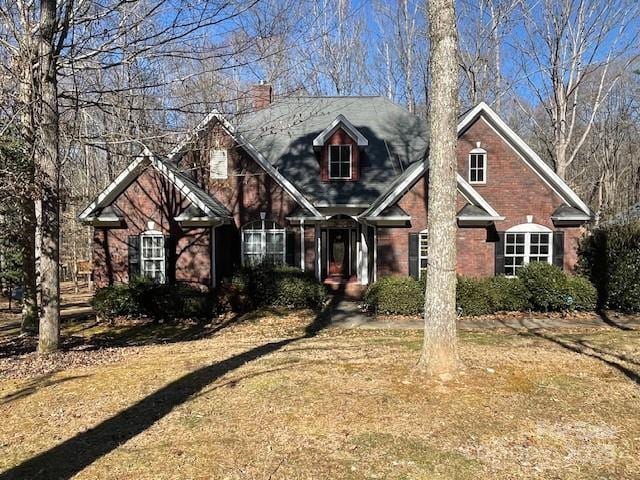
(143, 297)
(257, 287)
(267, 286)
(539, 286)
(610, 258)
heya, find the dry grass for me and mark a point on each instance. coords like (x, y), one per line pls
(340, 404)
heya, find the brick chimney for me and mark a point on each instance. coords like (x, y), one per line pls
(261, 95)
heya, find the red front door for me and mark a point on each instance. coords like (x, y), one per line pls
(339, 252)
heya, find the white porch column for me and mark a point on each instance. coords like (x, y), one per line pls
(375, 253)
(302, 252)
(363, 256)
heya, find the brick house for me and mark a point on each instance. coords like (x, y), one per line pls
(335, 186)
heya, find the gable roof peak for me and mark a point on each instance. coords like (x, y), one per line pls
(347, 126)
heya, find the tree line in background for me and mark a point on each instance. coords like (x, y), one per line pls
(84, 83)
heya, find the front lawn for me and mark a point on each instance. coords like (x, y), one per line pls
(265, 396)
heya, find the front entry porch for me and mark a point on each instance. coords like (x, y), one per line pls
(345, 253)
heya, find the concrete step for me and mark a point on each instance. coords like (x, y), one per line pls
(350, 290)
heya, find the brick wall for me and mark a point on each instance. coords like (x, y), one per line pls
(512, 188)
(151, 198)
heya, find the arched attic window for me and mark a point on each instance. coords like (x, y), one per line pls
(526, 243)
(478, 166)
(263, 241)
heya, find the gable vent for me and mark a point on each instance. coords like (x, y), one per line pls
(218, 164)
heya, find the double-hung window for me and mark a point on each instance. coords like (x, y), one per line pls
(263, 241)
(423, 250)
(523, 247)
(340, 162)
(152, 256)
(478, 166)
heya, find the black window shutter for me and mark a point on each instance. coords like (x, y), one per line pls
(414, 239)
(323, 254)
(134, 256)
(291, 241)
(169, 259)
(558, 249)
(499, 246)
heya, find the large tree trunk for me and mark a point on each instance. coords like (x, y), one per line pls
(29, 322)
(440, 351)
(48, 176)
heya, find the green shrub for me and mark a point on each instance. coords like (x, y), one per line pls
(547, 286)
(115, 301)
(475, 296)
(395, 296)
(610, 258)
(158, 301)
(272, 286)
(583, 294)
(509, 294)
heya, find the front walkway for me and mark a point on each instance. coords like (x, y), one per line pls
(347, 314)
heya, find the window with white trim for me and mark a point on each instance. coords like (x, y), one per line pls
(340, 162)
(478, 166)
(218, 164)
(522, 247)
(263, 241)
(152, 256)
(423, 249)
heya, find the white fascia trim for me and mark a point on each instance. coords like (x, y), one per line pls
(257, 156)
(204, 221)
(214, 114)
(114, 188)
(182, 187)
(544, 169)
(463, 187)
(306, 219)
(575, 218)
(400, 189)
(391, 219)
(472, 194)
(353, 132)
(473, 218)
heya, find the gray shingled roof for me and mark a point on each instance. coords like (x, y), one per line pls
(473, 211)
(283, 133)
(566, 211)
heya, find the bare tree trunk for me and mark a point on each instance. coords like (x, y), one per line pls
(48, 176)
(29, 322)
(440, 348)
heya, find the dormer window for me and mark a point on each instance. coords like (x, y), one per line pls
(340, 162)
(340, 146)
(478, 166)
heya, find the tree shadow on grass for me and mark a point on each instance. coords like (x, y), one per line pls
(133, 335)
(73, 455)
(35, 384)
(606, 318)
(608, 357)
